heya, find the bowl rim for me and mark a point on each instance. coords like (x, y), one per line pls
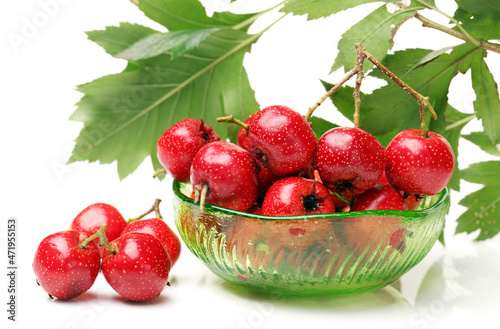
(442, 196)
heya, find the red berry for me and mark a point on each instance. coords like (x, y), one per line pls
(63, 267)
(419, 165)
(379, 197)
(282, 140)
(178, 145)
(372, 231)
(90, 219)
(349, 160)
(230, 174)
(161, 231)
(295, 196)
(138, 269)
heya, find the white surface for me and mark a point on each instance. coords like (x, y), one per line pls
(457, 285)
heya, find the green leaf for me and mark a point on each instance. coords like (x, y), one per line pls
(178, 15)
(375, 32)
(483, 213)
(344, 102)
(487, 173)
(321, 8)
(176, 42)
(483, 206)
(393, 108)
(480, 26)
(484, 142)
(343, 99)
(321, 126)
(455, 121)
(487, 103)
(115, 39)
(482, 7)
(124, 114)
(430, 57)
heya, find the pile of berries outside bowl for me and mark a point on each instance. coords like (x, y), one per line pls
(282, 211)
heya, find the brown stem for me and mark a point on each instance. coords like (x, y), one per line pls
(232, 119)
(457, 34)
(360, 75)
(423, 127)
(423, 101)
(329, 93)
(361, 55)
(155, 207)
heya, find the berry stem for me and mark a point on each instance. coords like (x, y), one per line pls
(358, 70)
(423, 127)
(232, 119)
(341, 198)
(423, 101)
(159, 172)
(103, 240)
(310, 111)
(155, 207)
(360, 75)
(203, 196)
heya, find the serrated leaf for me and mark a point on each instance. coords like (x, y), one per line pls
(484, 142)
(484, 27)
(483, 213)
(393, 108)
(115, 39)
(177, 43)
(124, 114)
(178, 15)
(454, 124)
(321, 126)
(320, 8)
(487, 103)
(487, 173)
(375, 32)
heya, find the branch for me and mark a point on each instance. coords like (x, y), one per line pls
(433, 25)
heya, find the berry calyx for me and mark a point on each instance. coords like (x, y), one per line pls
(295, 196)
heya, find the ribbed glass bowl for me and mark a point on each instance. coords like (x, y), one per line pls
(313, 256)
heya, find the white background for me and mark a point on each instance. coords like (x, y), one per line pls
(457, 285)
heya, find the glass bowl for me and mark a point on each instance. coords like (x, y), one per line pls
(311, 256)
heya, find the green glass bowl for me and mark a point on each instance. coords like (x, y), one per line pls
(312, 256)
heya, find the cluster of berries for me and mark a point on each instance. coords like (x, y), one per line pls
(135, 256)
(279, 168)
